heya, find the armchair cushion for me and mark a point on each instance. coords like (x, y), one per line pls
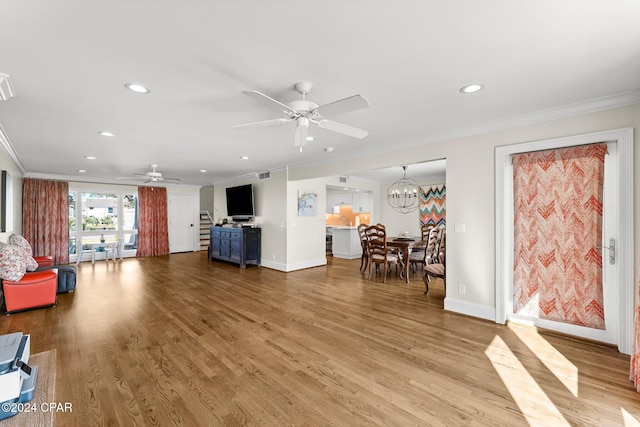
(37, 289)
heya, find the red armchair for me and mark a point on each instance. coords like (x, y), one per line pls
(34, 290)
(44, 261)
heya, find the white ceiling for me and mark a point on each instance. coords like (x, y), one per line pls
(68, 62)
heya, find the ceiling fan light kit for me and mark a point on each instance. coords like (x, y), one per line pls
(304, 112)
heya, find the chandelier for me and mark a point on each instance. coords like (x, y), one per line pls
(404, 194)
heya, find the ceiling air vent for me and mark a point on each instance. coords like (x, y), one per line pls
(343, 179)
(264, 175)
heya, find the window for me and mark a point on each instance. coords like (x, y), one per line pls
(106, 216)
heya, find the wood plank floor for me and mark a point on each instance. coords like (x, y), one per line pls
(180, 340)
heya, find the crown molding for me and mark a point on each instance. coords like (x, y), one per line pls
(8, 147)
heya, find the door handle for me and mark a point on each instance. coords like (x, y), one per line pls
(612, 250)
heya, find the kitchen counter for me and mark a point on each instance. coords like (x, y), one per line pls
(346, 242)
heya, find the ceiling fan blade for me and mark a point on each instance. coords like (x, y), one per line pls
(174, 180)
(129, 177)
(345, 105)
(342, 128)
(263, 123)
(269, 101)
(302, 130)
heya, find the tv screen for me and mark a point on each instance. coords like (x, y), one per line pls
(240, 201)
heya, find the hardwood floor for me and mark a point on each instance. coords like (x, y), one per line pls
(180, 340)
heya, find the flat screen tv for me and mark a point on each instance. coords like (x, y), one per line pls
(240, 202)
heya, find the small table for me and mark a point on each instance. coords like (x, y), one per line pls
(110, 248)
(406, 245)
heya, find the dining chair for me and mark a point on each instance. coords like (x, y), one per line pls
(379, 253)
(364, 259)
(435, 264)
(418, 254)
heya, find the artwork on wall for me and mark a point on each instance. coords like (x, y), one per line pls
(307, 203)
(6, 202)
(433, 205)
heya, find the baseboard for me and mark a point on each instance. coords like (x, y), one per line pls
(470, 309)
(294, 266)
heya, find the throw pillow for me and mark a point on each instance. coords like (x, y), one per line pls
(21, 242)
(18, 240)
(12, 262)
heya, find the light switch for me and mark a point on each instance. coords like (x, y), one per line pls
(459, 227)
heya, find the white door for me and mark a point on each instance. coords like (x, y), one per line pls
(181, 223)
(617, 271)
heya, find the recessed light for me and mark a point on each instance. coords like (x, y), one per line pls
(472, 88)
(311, 138)
(106, 133)
(203, 170)
(245, 157)
(89, 157)
(137, 88)
(329, 149)
(81, 170)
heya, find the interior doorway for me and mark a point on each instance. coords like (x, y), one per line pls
(181, 223)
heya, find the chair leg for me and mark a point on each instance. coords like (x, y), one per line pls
(384, 273)
(426, 283)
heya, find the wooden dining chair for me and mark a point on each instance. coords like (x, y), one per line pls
(435, 265)
(417, 255)
(379, 253)
(364, 259)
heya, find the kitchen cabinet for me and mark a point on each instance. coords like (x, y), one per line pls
(362, 202)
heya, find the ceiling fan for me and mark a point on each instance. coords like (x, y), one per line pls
(304, 112)
(153, 176)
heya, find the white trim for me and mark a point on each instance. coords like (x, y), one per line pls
(504, 223)
(8, 147)
(470, 308)
(293, 267)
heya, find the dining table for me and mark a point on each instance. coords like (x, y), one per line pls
(406, 245)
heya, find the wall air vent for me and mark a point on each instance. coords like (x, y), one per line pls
(264, 175)
(343, 179)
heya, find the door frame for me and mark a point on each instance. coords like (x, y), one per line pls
(625, 238)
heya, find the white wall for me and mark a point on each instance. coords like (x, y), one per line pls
(470, 194)
(270, 205)
(7, 163)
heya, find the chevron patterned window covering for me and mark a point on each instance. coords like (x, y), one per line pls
(433, 204)
(557, 225)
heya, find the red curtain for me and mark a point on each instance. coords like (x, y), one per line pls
(153, 223)
(558, 224)
(45, 218)
(634, 371)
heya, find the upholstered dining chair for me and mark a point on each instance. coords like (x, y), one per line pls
(435, 264)
(364, 259)
(379, 253)
(418, 254)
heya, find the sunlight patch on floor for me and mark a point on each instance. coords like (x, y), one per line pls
(628, 419)
(565, 371)
(535, 405)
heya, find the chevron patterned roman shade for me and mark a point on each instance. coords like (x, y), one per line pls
(558, 224)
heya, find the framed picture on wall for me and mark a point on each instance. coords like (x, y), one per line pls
(6, 202)
(307, 203)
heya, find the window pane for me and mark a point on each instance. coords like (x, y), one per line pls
(130, 214)
(99, 212)
(130, 241)
(72, 212)
(72, 245)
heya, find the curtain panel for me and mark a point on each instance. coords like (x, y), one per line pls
(45, 218)
(634, 370)
(558, 224)
(153, 223)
